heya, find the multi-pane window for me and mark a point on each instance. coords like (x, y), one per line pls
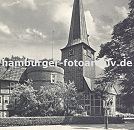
(0, 99)
(0, 114)
(53, 78)
(5, 114)
(87, 99)
(12, 84)
(5, 91)
(87, 108)
(6, 99)
(87, 96)
(93, 104)
(97, 110)
(98, 102)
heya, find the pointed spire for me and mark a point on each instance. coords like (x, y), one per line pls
(78, 30)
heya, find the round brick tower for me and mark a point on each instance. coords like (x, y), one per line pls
(43, 76)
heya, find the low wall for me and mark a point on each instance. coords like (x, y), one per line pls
(63, 120)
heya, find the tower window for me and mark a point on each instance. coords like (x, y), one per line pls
(71, 52)
(53, 78)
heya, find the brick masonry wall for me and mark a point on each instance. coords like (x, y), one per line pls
(73, 73)
(42, 76)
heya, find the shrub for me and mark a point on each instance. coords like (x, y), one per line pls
(16, 121)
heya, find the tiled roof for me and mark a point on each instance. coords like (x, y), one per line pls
(13, 73)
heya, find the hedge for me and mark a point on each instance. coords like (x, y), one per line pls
(63, 120)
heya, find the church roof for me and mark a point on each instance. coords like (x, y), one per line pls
(78, 30)
(88, 82)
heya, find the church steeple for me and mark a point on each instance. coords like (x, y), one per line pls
(78, 30)
(78, 49)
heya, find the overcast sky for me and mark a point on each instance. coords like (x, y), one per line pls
(26, 26)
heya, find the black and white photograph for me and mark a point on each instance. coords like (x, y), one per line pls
(66, 64)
